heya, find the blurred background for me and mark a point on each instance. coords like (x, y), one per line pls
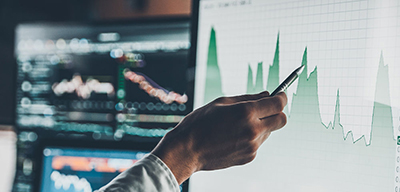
(46, 21)
(14, 12)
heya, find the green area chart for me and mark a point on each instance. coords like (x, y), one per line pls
(314, 143)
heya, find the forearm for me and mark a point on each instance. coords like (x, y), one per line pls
(178, 156)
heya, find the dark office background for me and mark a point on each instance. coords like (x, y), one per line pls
(13, 12)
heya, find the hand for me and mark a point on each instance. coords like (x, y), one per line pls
(224, 133)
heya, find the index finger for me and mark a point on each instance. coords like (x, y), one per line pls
(269, 106)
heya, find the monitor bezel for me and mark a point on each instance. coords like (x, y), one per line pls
(193, 43)
(194, 34)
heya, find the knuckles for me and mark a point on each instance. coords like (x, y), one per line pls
(276, 122)
(283, 119)
(278, 104)
(283, 98)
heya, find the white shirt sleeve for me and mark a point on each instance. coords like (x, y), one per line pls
(150, 174)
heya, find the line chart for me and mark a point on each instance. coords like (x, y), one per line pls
(305, 104)
(153, 89)
(65, 182)
(82, 89)
(343, 112)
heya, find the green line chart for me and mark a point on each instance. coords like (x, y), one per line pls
(311, 143)
(213, 78)
(273, 75)
(305, 104)
(343, 112)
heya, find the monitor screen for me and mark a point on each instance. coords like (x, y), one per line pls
(115, 79)
(83, 169)
(343, 111)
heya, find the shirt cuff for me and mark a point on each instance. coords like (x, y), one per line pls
(173, 182)
(150, 174)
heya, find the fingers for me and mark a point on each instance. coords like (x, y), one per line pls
(274, 122)
(269, 106)
(242, 98)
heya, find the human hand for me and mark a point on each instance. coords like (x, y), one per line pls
(224, 133)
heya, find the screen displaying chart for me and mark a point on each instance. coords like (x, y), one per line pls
(121, 81)
(155, 92)
(59, 91)
(83, 170)
(113, 80)
(343, 111)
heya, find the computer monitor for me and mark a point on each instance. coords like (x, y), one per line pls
(82, 169)
(86, 169)
(122, 78)
(343, 113)
(125, 81)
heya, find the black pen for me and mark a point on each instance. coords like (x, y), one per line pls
(288, 81)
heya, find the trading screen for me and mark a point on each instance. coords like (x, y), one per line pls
(343, 111)
(105, 79)
(122, 82)
(83, 169)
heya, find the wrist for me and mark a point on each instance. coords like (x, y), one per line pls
(177, 155)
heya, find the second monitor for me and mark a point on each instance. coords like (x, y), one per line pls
(112, 79)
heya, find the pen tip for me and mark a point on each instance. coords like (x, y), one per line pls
(300, 69)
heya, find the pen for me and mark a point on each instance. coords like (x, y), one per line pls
(288, 81)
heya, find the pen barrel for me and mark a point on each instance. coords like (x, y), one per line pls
(285, 84)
